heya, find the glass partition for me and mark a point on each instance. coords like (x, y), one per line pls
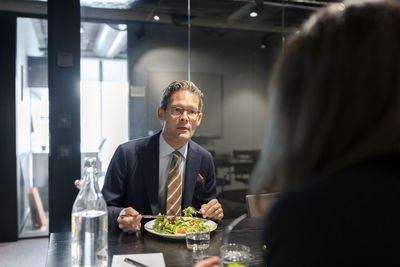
(104, 91)
(234, 45)
(130, 50)
(228, 49)
(32, 109)
(135, 67)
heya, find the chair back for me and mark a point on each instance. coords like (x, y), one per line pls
(259, 205)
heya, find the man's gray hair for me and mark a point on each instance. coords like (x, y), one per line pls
(178, 86)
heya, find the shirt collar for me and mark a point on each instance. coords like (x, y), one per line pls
(166, 149)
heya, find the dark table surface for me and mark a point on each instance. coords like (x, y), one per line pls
(247, 232)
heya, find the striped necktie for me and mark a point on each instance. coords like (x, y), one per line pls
(174, 195)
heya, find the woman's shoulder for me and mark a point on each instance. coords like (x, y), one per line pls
(372, 180)
(369, 174)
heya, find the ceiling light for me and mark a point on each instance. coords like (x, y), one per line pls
(253, 14)
(110, 41)
(156, 18)
(122, 27)
(263, 43)
(119, 4)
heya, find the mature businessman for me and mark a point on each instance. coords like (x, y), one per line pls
(166, 172)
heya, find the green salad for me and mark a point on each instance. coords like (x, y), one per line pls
(190, 212)
(181, 225)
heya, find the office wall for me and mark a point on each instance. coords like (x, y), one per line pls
(235, 56)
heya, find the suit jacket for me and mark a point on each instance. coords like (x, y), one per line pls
(349, 217)
(132, 178)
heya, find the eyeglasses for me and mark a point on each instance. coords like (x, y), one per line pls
(177, 111)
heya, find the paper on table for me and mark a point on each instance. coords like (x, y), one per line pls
(150, 259)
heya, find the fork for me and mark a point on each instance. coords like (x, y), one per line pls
(197, 212)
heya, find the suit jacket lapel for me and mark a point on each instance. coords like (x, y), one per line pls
(150, 158)
(191, 171)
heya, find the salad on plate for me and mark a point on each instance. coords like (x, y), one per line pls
(182, 225)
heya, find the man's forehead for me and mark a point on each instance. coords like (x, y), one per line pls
(185, 95)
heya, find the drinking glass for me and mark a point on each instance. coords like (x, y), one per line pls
(199, 255)
(198, 240)
(236, 254)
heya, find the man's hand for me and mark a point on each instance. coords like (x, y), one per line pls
(212, 210)
(130, 224)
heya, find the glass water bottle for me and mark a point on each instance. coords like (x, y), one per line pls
(89, 225)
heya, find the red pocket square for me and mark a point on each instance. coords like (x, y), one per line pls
(200, 178)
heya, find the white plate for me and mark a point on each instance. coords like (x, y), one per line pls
(149, 227)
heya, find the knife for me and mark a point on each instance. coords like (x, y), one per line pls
(133, 262)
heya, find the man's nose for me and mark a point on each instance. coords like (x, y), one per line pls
(184, 116)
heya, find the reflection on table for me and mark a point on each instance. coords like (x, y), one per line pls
(175, 253)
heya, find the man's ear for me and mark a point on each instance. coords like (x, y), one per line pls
(161, 114)
(199, 117)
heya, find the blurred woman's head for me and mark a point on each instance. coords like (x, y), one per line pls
(335, 97)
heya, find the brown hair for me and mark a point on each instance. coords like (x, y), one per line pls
(335, 98)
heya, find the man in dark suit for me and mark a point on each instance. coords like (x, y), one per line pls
(137, 179)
